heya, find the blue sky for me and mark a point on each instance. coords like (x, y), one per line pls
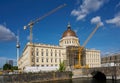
(82, 14)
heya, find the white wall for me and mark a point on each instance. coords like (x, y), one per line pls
(107, 65)
(38, 69)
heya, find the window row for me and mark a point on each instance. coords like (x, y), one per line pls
(93, 60)
(93, 56)
(43, 53)
(48, 60)
(47, 65)
(70, 41)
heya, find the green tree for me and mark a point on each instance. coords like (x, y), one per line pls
(7, 67)
(62, 67)
(15, 67)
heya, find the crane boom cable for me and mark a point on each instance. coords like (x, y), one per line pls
(52, 11)
(89, 37)
(40, 18)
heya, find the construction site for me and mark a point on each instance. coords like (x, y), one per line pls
(43, 57)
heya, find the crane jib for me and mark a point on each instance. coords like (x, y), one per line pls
(30, 24)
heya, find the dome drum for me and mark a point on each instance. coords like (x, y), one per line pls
(69, 38)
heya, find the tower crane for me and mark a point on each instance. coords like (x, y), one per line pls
(80, 49)
(30, 24)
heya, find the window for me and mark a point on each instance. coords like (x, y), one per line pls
(46, 60)
(37, 65)
(51, 60)
(42, 52)
(47, 65)
(59, 52)
(55, 60)
(110, 58)
(32, 49)
(37, 49)
(37, 59)
(32, 60)
(42, 65)
(51, 52)
(46, 52)
(55, 64)
(55, 52)
(32, 53)
(115, 57)
(37, 53)
(60, 60)
(51, 64)
(42, 60)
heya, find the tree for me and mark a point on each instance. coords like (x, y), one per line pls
(62, 67)
(7, 67)
(15, 67)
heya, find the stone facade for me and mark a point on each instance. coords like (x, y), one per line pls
(42, 55)
(92, 58)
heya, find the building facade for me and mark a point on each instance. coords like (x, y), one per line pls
(10, 62)
(111, 60)
(43, 57)
(92, 58)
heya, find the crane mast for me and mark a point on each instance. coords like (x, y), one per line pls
(80, 49)
(30, 24)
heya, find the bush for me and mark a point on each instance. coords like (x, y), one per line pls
(62, 67)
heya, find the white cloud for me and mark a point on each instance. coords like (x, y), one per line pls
(87, 7)
(6, 34)
(115, 20)
(97, 20)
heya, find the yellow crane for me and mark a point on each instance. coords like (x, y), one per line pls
(80, 49)
(30, 24)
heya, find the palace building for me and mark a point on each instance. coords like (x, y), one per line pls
(42, 57)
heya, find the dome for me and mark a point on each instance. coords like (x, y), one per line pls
(69, 32)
